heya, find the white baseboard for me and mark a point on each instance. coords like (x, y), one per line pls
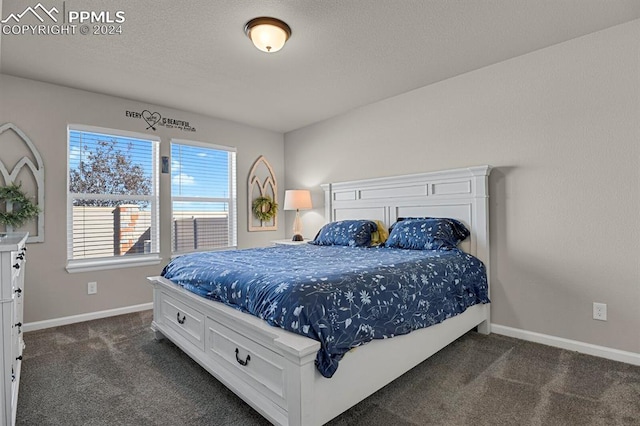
(571, 345)
(56, 322)
(530, 336)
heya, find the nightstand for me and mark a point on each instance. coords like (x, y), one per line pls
(289, 242)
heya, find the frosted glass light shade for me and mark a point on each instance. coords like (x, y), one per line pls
(267, 34)
(297, 199)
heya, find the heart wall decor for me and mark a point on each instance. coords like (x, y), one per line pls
(151, 118)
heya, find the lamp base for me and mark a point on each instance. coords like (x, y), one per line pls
(297, 237)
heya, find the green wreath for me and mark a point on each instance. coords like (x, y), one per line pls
(23, 208)
(264, 208)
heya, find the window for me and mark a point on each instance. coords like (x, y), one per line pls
(112, 201)
(203, 196)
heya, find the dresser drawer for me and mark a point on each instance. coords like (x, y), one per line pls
(16, 347)
(263, 369)
(18, 259)
(183, 319)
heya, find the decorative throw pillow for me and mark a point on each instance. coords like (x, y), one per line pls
(354, 233)
(427, 234)
(379, 236)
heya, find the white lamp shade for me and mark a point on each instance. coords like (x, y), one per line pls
(297, 199)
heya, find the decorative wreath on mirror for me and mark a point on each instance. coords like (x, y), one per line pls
(264, 208)
(23, 208)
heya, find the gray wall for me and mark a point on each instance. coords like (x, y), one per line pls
(560, 126)
(43, 111)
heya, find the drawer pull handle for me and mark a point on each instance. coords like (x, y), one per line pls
(17, 266)
(18, 290)
(20, 256)
(19, 358)
(241, 362)
(181, 321)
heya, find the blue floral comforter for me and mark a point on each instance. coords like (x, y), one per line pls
(342, 297)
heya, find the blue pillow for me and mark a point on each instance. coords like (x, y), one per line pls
(427, 234)
(354, 233)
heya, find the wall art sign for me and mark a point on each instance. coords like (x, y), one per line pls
(155, 119)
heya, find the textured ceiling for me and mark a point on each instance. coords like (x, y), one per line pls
(193, 55)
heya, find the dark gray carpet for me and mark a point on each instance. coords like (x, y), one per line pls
(112, 372)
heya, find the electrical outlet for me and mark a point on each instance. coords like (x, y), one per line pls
(600, 311)
(92, 288)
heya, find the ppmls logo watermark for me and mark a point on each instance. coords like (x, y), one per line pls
(43, 20)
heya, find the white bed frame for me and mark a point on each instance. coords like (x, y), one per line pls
(272, 369)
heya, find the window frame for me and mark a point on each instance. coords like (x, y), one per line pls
(116, 262)
(232, 200)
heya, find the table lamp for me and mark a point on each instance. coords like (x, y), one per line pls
(297, 199)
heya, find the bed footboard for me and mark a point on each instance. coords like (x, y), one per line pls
(273, 370)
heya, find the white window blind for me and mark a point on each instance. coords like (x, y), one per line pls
(203, 196)
(112, 195)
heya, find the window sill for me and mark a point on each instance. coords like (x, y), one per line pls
(74, 266)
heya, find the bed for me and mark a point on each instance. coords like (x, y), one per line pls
(273, 369)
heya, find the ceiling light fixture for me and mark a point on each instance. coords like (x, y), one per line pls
(267, 34)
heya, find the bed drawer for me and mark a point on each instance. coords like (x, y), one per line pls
(183, 319)
(261, 368)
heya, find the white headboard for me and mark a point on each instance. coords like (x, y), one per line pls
(461, 194)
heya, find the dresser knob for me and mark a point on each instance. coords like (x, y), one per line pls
(18, 290)
(19, 358)
(17, 266)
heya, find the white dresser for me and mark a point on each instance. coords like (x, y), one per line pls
(12, 264)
